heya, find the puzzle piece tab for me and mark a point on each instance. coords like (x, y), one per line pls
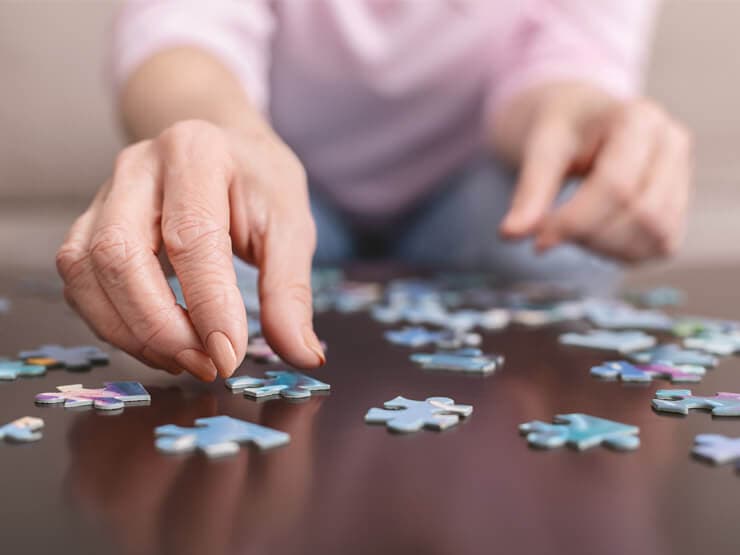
(406, 415)
(675, 355)
(72, 358)
(461, 360)
(581, 431)
(23, 430)
(286, 383)
(217, 436)
(12, 369)
(648, 372)
(621, 341)
(717, 448)
(420, 337)
(115, 395)
(681, 401)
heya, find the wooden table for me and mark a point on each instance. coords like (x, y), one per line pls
(95, 484)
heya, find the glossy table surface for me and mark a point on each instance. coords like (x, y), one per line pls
(95, 484)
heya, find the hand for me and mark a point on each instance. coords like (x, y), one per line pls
(637, 165)
(197, 190)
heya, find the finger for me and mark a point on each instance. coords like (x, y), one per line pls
(613, 185)
(285, 289)
(123, 253)
(547, 159)
(83, 293)
(195, 228)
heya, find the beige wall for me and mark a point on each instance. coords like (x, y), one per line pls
(58, 135)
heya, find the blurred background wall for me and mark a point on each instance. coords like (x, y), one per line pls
(58, 134)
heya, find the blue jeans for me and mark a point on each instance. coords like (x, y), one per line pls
(457, 228)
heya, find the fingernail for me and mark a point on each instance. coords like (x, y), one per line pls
(312, 344)
(222, 352)
(196, 363)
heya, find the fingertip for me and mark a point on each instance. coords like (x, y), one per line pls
(222, 353)
(197, 363)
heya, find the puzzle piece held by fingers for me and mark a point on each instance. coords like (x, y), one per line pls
(115, 395)
(461, 360)
(12, 369)
(217, 436)
(717, 448)
(648, 372)
(621, 341)
(681, 401)
(406, 415)
(22, 430)
(673, 354)
(286, 383)
(72, 358)
(419, 336)
(581, 431)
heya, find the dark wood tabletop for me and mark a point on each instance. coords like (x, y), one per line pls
(96, 484)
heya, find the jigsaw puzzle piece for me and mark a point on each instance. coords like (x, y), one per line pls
(407, 415)
(461, 360)
(72, 358)
(717, 448)
(612, 314)
(286, 383)
(419, 336)
(673, 354)
(115, 395)
(621, 341)
(217, 436)
(722, 344)
(681, 401)
(22, 430)
(581, 431)
(12, 369)
(646, 373)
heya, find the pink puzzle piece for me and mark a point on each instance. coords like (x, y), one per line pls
(115, 395)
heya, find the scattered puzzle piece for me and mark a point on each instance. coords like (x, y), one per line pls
(115, 395)
(681, 401)
(286, 383)
(24, 429)
(406, 415)
(717, 448)
(259, 350)
(420, 337)
(11, 369)
(648, 372)
(673, 354)
(217, 436)
(613, 314)
(72, 358)
(656, 297)
(621, 341)
(461, 360)
(722, 344)
(581, 431)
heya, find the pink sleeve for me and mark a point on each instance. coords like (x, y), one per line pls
(604, 42)
(236, 32)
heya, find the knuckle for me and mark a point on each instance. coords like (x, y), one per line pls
(129, 157)
(197, 234)
(70, 262)
(112, 254)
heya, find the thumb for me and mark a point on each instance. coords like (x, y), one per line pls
(285, 291)
(548, 156)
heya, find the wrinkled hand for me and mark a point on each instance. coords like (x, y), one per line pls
(636, 165)
(199, 191)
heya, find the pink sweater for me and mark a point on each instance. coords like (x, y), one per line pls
(383, 98)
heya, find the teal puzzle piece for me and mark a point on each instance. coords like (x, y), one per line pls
(681, 401)
(286, 383)
(22, 430)
(12, 369)
(581, 431)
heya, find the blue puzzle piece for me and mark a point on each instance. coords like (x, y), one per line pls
(406, 415)
(420, 336)
(11, 369)
(72, 358)
(621, 341)
(717, 343)
(717, 448)
(681, 401)
(673, 354)
(286, 383)
(581, 431)
(217, 436)
(613, 314)
(646, 373)
(23, 430)
(461, 360)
